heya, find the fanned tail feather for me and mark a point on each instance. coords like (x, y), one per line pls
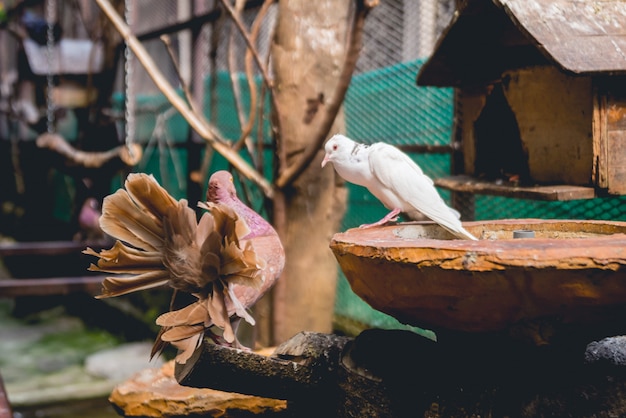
(148, 194)
(159, 241)
(123, 219)
(126, 260)
(118, 286)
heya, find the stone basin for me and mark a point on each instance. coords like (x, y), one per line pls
(571, 272)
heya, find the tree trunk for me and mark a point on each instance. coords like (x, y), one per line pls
(308, 54)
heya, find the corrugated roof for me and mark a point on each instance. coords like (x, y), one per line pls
(580, 37)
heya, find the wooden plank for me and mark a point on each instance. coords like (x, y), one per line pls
(617, 162)
(599, 138)
(468, 184)
(470, 104)
(615, 135)
(10, 288)
(50, 247)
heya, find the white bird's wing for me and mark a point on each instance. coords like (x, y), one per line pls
(397, 172)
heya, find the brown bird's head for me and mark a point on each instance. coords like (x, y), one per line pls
(221, 187)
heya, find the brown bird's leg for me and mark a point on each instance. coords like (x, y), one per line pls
(219, 339)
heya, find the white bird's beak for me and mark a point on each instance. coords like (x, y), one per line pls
(325, 160)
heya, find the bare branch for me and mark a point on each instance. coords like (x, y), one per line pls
(252, 87)
(214, 42)
(168, 46)
(254, 33)
(260, 143)
(256, 26)
(232, 69)
(89, 159)
(249, 42)
(196, 122)
(251, 51)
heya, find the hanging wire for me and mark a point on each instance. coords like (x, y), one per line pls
(50, 17)
(129, 102)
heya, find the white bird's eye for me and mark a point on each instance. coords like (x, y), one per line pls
(335, 146)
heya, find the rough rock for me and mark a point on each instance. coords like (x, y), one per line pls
(156, 393)
(607, 352)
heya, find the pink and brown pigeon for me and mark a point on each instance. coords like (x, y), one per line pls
(227, 259)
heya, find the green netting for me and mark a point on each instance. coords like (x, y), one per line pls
(605, 208)
(387, 105)
(223, 113)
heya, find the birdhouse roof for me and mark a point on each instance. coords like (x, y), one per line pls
(486, 37)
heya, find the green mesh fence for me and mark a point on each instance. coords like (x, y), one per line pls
(606, 208)
(387, 105)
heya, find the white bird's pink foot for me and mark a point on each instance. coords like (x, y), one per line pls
(390, 217)
(394, 179)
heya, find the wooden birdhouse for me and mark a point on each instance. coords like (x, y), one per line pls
(541, 95)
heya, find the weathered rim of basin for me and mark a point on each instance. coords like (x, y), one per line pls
(571, 244)
(571, 271)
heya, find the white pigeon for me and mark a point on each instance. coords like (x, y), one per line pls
(395, 180)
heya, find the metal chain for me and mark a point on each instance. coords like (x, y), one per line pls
(50, 17)
(129, 102)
